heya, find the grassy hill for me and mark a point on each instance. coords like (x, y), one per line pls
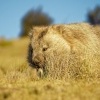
(18, 81)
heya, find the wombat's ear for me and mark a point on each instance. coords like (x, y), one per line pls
(42, 34)
(30, 34)
(60, 29)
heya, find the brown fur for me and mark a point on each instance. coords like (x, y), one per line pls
(66, 50)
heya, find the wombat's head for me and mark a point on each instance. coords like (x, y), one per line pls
(46, 45)
(37, 47)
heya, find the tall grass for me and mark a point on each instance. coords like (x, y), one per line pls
(18, 81)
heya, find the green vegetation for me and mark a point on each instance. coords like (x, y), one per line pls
(18, 81)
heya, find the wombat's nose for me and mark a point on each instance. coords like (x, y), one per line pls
(36, 60)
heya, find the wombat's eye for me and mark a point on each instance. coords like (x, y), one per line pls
(44, 49)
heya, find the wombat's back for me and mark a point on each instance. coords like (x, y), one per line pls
(84, 56)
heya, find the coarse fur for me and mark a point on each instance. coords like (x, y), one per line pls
(64, 51)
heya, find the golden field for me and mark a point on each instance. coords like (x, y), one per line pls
(18, 81)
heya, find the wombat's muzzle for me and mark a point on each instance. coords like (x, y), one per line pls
(34, 62)
(29, 58)
(38, 62)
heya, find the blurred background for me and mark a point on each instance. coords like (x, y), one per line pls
(18, 16)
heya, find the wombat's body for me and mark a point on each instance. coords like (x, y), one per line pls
(64, 51)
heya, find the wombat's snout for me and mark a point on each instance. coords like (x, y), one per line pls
(38, 61)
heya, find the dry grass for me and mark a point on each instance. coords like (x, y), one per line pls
(71, 51)
(18, 81)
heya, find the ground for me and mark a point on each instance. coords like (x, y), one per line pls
(18, 81)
